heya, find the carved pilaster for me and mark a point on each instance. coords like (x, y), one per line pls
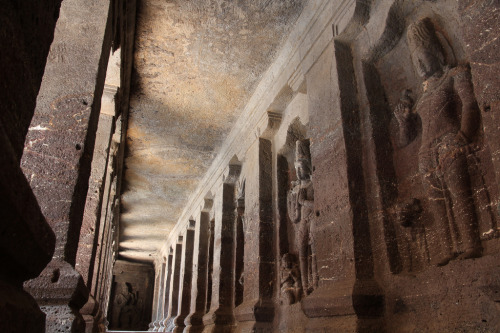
(257, 310)
(185, 279)
(220, 317)
(194, 321)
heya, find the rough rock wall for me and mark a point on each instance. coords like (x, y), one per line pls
(427, 141)
(27, 31)
(376, 156)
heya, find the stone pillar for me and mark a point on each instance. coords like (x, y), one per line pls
(27, 244)
(27, 30)
(59, 148)
(257, 310)
(163, 316)
(194, 322)
(86, 255)
(347, 292)
(220, 317)
(185, 279)
(26, 240)
(173, 299)
(161, 296)
(154, 312)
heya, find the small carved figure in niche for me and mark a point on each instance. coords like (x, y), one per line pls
(291, 286)
(450, 122)
(300, 210)
(128, 307)
(414, 249)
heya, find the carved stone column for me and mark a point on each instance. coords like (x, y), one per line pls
(156, 295)
(257, 310)
(160, 304)
(347, 292)
(220, 316)
(27, 241)
(163, 316)
(59, 150)
(104, 154)
(173, 299)
(194, 321)
(185, 279)
(27, 244)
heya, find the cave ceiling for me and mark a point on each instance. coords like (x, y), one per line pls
(196, 64)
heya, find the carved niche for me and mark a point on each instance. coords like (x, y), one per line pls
(441, 202)
(300, 207)
(127, 307)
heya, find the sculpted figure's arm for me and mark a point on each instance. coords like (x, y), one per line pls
(470, 119)
(404, 116)
(293, 206)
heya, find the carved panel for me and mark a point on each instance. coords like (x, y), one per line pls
(437, 190)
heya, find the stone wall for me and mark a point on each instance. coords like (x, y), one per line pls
(358, 191)
(66, 84)
(27, 241)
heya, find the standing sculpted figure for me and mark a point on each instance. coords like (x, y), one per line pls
(300, 210)
(450, 122)
(128, 310)
(291, 286)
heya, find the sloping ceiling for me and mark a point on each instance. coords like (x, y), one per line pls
(196, 64)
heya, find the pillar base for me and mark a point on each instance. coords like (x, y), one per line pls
(60, 292)
(179, 324)
(168, 325)
(220, 320)
(90, 312)
(194, 323)
(363, 298)
(255, 316)
(154, 326)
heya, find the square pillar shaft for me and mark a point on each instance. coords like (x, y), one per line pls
(194, 321)
(185, 282)
(220, 317)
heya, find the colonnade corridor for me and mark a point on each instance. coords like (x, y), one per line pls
(216, 166)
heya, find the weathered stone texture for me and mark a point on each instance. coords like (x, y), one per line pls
(59, 148)
(26, 32)
(27, 242)
(399, 110)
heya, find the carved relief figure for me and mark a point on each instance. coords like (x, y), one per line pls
(450, 122)
(300, 210)
(127, 301)
(290, 283)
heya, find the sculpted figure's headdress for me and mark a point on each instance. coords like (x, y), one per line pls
(422, 36)
(302, 153)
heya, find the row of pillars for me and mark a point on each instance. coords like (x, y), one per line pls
(201, 283)
(71, 161)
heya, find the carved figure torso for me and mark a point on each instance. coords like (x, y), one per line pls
(299, 198)
(438, 110)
